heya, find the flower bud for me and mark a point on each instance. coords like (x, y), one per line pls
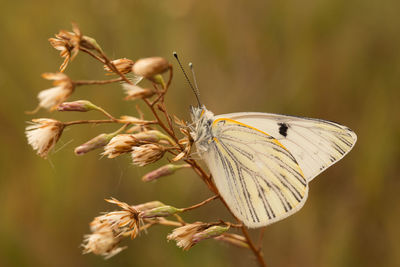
(89, 43)
(80, 105)
(163, 211)
(153, 136)
(123, 65)
(149, 67)
(149, 205)
(163, 171)
(136, 92)
(97, 142)
(210, 232)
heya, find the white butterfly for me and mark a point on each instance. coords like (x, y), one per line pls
(262, 163)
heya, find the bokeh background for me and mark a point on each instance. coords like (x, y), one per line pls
(331, 59)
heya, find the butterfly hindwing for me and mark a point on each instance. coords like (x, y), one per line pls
(257, 176)
(315, 144)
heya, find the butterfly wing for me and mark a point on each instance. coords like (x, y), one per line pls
(316, 144)
(256, 175)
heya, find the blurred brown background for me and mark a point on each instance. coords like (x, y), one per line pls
(331, 59)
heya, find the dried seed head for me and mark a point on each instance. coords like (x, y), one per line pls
(119, 144)
(163, 211)
(146, 154)
(103, 243)
(163, 171)
(149, 67)
(124, 65)
(43, 134)
(136, 92)
(51, 98)
(80, 105)
(94, 143)
(184, 235)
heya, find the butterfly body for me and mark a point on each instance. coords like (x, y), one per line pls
(262, 163)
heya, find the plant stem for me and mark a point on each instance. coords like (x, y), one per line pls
(100, 82)
(105, 121)
(92, 54)
(200, 204)
(256, 251)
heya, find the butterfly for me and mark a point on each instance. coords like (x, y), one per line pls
(262, 163)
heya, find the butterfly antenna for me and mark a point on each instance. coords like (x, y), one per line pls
(187, 79)
(194, 79)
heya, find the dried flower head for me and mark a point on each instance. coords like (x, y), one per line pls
(123, 222)
(43, 134)
(65, 50)
(136, 92)
(146, 154)
(69, 43)
(103, 242)
(184, 235)
(123, 65)
(151, 66)
(119, 144)
(51, 98)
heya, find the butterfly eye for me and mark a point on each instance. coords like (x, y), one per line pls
(209, 122)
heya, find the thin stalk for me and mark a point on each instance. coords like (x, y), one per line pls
(256, 251)
(200, 204)
(99, 82)
(105, 121)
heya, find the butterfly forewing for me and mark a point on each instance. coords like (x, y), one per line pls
(257, 176)
(315, 144)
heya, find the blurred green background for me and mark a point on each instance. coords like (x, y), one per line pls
(331, 59)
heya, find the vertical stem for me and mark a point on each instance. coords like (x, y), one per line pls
(256, 251)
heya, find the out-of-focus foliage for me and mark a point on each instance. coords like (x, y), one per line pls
(331, 59)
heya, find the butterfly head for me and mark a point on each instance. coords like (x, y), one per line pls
(201, 127)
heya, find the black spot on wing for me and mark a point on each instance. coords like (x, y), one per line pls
(283, 127)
